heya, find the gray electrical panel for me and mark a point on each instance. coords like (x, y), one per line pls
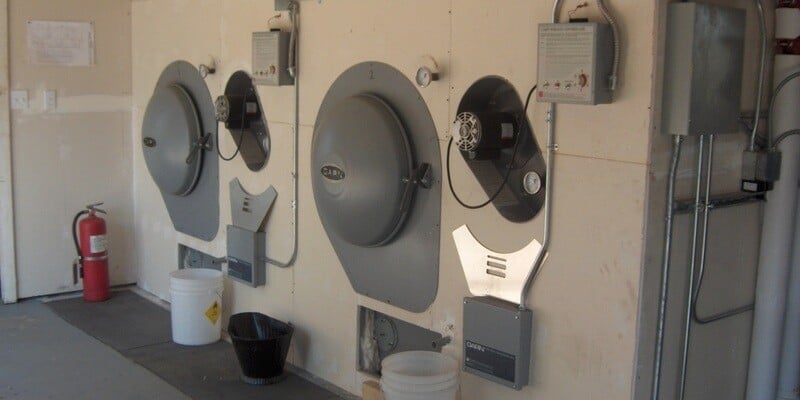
(246, 260)
(497, 341)
(247, 257)
(575, 62)
(702, 69)
(271, 58)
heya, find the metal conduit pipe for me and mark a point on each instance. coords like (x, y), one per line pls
(662, 299)
(698, 205)
(771, 118)
(294, 62)
(612, 80)
(548, 189)
(762, 23)
(695, 294)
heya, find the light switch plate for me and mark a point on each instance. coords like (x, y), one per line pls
(49, 100)
(19, 99)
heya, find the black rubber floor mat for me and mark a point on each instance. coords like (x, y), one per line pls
(125, 321)
(141, 331)
(212, 372)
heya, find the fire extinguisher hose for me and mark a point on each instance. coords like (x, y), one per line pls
(75, 235)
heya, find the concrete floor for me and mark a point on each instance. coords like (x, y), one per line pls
(44, 357)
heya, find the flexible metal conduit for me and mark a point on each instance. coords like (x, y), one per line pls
(771, 118)
(612, 80)
(294, 10)
(762, 23)
(662, 299)
(695, 293)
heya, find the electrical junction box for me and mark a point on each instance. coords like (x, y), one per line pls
(575, 62)
(246, 256)
(702, 69)
(271, 58)
(497, 341)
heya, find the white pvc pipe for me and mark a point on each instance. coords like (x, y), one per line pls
(789, 377)
(777, 239)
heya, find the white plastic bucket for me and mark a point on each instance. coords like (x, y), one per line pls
(196, 306)
(419, 375)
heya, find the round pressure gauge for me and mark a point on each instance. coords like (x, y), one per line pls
(532, 183)
(425, 76)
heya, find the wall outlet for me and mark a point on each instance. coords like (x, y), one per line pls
(19, 99)
(49, 100)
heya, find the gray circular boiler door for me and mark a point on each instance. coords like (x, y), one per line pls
(170, 133)
(361, 161)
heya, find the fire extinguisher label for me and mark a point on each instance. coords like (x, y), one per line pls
(97, 243)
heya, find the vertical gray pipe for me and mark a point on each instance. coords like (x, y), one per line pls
(777, 239)
(662, 299)
(687, 324)
(789, 378)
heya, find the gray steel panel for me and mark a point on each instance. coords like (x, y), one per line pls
(246, 256)
(499, 332)
(404, 337)
(197, 213)
(249, 211)
(405, 272)
(703, 69)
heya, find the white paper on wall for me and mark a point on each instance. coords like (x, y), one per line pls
(61, 43)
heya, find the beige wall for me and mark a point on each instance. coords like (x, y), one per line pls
(77, 154)
(717, 367)
(585, 300)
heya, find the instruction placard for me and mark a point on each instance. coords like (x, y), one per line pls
(69, 44)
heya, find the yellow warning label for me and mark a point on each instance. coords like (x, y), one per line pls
(213, 313)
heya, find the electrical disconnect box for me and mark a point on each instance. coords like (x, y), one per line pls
(497, 341)
(575, 61)
(271, 58)
(702, 69)
(246, 256)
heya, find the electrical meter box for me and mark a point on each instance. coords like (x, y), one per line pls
(497, 341)
(271, 58)
(702, 69)
(246, 256)
(575, 62)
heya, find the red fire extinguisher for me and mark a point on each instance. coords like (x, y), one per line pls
(92, 261)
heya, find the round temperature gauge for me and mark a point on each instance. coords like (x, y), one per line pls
(425, 76)
(532, 183)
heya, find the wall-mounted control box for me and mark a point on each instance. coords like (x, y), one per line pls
(246, 256)
(271, 58)
(497, 341)
(575, 62)
(702, 69)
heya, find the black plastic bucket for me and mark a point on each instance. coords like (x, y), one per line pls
(261, 345)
